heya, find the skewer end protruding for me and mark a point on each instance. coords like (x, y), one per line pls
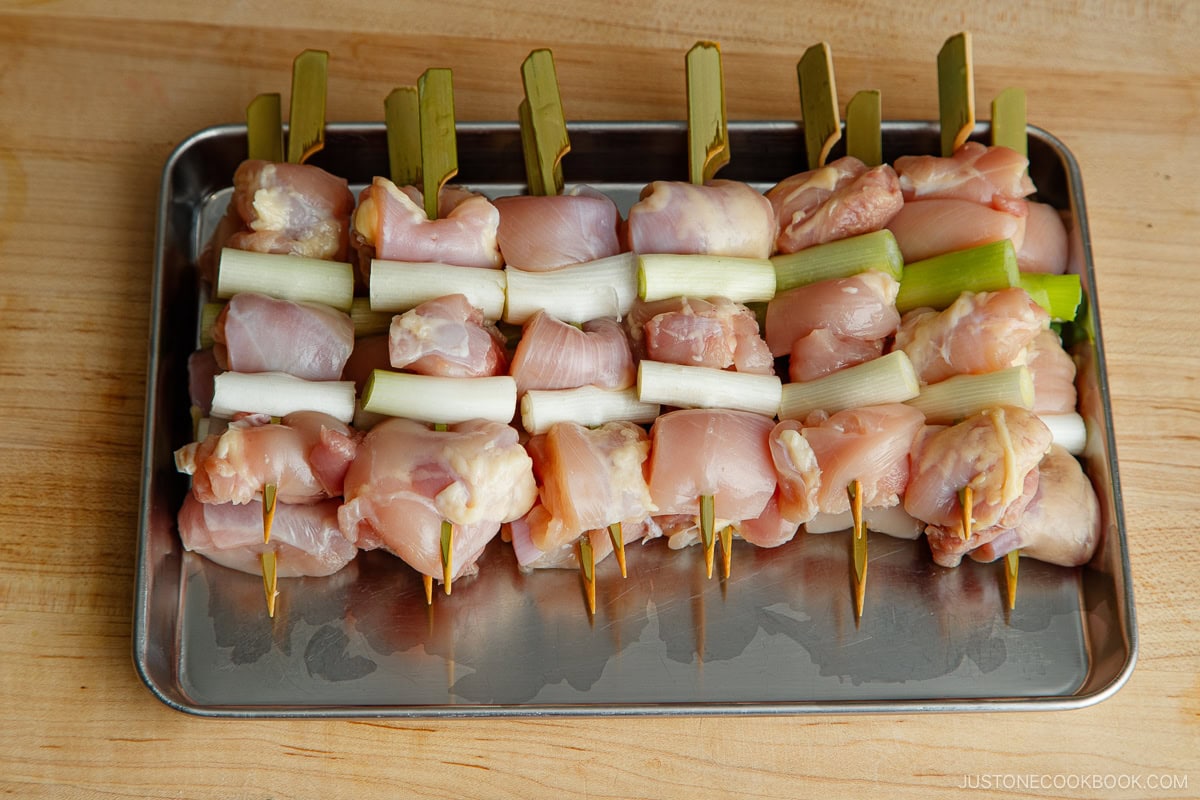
(617, 534)
(854, 490)
(270, 573)
(707, 533)
(726, 550)
(268, 509)
(966, 499)
(708, 133)
(587, 566)
(447, 554)
(428, 581)
(1012, 563)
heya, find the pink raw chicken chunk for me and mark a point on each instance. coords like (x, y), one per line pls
(306, 538)
(539, 233)
(991, 176)
(555, 355)
(293, 209)
(861, 307)
(720, 453)
(720, 218)
(996, 453)
(306, 456)
(927, 228)
(839, 200)
(407, 479)
(716, 333)
(823, 352)
(1045, 247)
(1061, 525)
(870, 445)
(392, 220)
(1053, 373)
(979, 332)
(447, 337)
(590, 479)
(257, 333)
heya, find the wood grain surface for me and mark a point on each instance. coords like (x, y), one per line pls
(95, 94)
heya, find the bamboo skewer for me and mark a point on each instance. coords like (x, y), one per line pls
(708, 151)
(264, 140)
(587, 565)
(306, 119)
(543, 125)
(402, 114)
(854, 490)
(1009, 130)
(818, 103)
(956, 92)
(966, 499)
(439, 150)
(864, 137)
(617, 534)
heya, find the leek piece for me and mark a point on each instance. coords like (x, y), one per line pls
(892, 521)
(1069, 431)
(840, 259)
(439, 149)
(1008, 121)
(280, 394)
(264, 128)
(703, 387)
(1064, 293)
(401, 285)
(368, 322)
(440, 400)
(402, 112)
(818, 103)
(606, 287)
(864, 137)
(708, 132)
(285, 277)
(956, 92)
(208, 318)
(588, 405)
(887, 379)
(306, 119)
(545, 121)
(742, 280)
(937, 282)
(954, 399)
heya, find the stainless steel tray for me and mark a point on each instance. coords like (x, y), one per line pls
(778, 637)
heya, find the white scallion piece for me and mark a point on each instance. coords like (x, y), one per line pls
(279, 394)
(295, 278)
(962, 396)
(587, 405)
(444, 401)
(1069, 431)
(577, 293)
(742, 280)
(703, 387)
(887, 379)
(402, 285)
(893, 521)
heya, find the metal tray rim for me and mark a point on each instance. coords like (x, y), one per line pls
(141, 612)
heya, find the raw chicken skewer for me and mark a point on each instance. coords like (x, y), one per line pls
(822, 129)
(545, 140)
(306, 137)
(439, 163)
(1008, 129)
(708, 151)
